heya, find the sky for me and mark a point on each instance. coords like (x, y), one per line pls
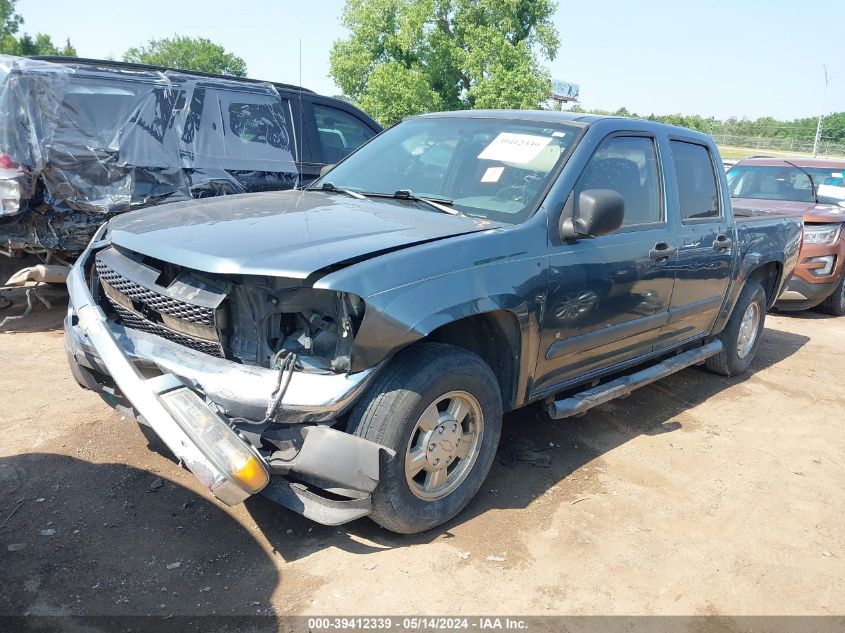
(722, 58)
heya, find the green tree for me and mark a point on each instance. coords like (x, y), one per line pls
(408, 56)
(833, 128)
(10, 21)
(41, 44)
(187, 53)
(13, 44)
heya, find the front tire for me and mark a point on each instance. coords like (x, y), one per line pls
(835, 303)
(439, 407)
(742, 334)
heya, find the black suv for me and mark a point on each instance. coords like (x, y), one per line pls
(82, 140)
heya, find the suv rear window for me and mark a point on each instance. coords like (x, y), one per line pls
(697, 190)
(259, 123)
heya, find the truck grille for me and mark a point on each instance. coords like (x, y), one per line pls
(154, 300)
(136, 322)
(142, 308)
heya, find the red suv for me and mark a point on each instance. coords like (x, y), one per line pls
(815, 188)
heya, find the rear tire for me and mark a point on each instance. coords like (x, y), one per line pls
(743, 333)
(439, 407)
(835, 303)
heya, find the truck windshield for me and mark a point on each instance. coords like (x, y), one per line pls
(491, 168)
(784, 182)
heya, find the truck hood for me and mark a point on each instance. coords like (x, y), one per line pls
(811, 211)
(284, 233)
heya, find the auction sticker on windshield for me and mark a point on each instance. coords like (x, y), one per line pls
(833, 187)
(515, 148)
(492, 174)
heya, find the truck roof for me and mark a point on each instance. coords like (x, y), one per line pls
(553, 116)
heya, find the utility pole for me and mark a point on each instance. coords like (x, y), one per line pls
(818, 136)
(821, 116)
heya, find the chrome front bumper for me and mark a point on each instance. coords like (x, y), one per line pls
(142, 366)
(241, 391)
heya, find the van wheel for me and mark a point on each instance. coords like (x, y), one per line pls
(741, 336)
(439, 407)
(835, 303)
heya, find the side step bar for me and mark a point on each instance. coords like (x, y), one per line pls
(580, 403)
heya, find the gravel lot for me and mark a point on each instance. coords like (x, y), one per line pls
(697, 495)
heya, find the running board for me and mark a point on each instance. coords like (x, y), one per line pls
(580, 403)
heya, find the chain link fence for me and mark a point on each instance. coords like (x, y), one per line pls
(785, 145)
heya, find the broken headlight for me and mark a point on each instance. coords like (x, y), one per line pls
(316, 325)
(217, 441)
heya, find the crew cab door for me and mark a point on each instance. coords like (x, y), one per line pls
(705, 242)
(608, 296)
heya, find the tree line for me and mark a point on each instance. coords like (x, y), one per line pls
(804, 129)
(12, 42)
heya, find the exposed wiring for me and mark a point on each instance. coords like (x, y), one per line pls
(286, 367)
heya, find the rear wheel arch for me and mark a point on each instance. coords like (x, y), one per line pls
(768, 275)
(743, 332)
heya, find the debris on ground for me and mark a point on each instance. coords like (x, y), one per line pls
(497, 559)
(47, 532)
(463, 555)
(523, 451)
(12, 513)
(156, 484)
(16, 547)
(175, 565)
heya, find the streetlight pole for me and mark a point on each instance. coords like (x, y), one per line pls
(821, 116)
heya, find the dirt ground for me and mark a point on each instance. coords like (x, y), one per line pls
(697, 495)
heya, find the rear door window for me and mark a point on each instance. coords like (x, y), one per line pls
(339, 133)
(239, 130)
(698, 192)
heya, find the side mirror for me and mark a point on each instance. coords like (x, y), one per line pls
(326, 169)
(599, 211)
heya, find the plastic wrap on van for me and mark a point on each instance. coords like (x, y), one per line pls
(84, 142)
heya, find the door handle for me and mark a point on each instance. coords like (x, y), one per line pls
(661, 252)
(722, 243)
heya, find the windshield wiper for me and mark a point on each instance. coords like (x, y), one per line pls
(328, 186)
(807, 174)
(407, 194)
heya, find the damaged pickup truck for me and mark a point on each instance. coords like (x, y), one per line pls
(349, 350)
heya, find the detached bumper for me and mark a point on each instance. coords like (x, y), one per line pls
(146, 370)
(144, 395)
